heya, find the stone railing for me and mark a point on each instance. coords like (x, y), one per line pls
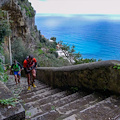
(95, 76)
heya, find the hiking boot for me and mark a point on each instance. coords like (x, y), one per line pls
(33, 85)
(29, 88)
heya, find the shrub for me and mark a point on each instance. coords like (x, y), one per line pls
(43, 40)
(53, 38)
(4, 30)
(52, 50)
(19, 51)
(40, 51)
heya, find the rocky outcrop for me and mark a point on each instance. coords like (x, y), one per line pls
(21, 22)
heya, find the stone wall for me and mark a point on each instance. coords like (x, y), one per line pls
(95, 76)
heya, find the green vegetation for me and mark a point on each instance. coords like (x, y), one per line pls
(28, 114)
(74, 89)
(47, 56)
(53, 38)
(19, 51)
(3, 75)
(50, 60)
(10, 101)
(117, 67)
(74, 58)
(25, 4)
(45, 51)
(53, 108)
(86, 60)
(4, 26)
(69, 52)
(4, 31)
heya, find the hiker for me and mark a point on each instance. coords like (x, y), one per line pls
(29, 65)
(16, 68)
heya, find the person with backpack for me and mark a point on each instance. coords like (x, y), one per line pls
(29, 65)
(16, 68)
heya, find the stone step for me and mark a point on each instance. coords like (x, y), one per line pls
(42, 93)
(117, 118)
(62, 101)
(22, 90)
(46, 103)
(22, 87)
(69, 99)
(45, 100)
(29, 107)
(114, 115)
(23, 81)
(34, 92)
(107, 109)
(39, 86)
(69, 108)
(52, 104)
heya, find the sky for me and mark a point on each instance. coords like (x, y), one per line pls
(76, 6)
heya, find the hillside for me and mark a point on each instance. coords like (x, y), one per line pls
(23, 24)
(25, 37)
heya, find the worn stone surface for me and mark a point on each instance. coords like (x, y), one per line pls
(95, 76)
(8, 112)
(47, 103)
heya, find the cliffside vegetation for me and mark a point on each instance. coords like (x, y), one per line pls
(47, 54)
(27, 39)
(25, 4)
(4, 31)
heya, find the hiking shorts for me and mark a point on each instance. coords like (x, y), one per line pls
(16, 73)
(33, 72)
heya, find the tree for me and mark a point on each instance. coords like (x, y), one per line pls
(69, 52)
(4, 27)
(53, 38)
(4, 31)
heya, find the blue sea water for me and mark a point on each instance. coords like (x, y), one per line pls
(94, 36)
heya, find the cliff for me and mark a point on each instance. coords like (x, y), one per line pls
(25, 38)
(22, 17)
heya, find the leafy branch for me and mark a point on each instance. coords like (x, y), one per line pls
(117, 67)
(10, 101)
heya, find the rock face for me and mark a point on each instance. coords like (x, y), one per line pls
(22, 15)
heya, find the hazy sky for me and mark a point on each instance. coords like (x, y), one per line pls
(77, 6)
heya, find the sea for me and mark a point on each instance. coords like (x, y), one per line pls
(94, 36)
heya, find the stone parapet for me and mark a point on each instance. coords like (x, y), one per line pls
(95, 76)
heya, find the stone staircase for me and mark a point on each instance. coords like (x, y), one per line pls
(47, 103)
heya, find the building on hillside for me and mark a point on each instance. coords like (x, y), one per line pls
(51, 41)
(60, 53)
(58, 46)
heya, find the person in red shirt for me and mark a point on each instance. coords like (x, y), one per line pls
(29, 65)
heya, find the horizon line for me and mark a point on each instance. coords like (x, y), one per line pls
(63, 14)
